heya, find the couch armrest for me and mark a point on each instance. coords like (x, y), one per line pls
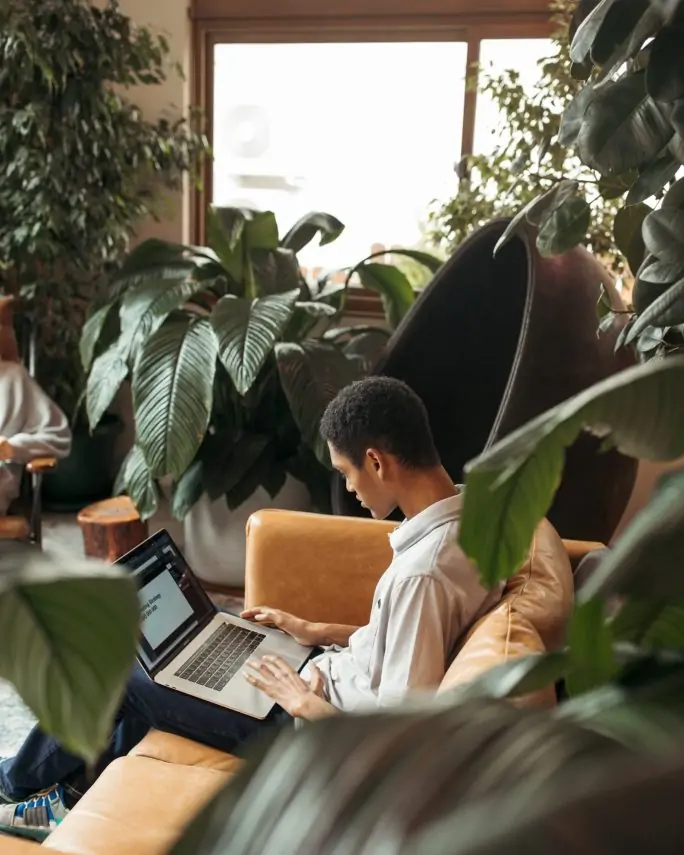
(321, 568)
(577, 549)
(41, 464)
(17, 846)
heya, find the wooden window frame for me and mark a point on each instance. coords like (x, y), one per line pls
(216, 22)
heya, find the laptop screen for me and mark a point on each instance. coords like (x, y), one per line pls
(172, 602)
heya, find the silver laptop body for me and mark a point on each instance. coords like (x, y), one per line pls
(187, 645)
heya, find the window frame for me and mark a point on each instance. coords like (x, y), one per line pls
(213, 22)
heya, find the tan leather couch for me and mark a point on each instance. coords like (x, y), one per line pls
(322, 568)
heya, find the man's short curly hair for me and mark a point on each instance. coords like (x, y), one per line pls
(382, 413)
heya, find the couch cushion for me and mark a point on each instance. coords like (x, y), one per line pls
(185, 752)
(498, 636)
(543, 590)
(138, 806)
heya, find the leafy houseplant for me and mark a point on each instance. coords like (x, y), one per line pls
(231, 356)
(498, 184)
(81, 166)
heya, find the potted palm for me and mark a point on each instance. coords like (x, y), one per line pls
(232, 357)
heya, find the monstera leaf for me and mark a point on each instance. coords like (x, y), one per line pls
(172, 393)
(247, 331)
(69, 629)
(510, 487)
(312, 373)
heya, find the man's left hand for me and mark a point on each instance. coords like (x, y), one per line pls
(276, 678)
(6, 449)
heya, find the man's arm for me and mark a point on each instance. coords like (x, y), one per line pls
(303, 631)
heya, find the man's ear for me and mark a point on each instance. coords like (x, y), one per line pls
(374, 458)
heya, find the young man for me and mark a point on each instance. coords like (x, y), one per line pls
(379, 438)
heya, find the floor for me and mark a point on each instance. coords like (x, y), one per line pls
(60, 534)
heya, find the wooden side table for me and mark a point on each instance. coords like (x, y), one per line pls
(111, 528)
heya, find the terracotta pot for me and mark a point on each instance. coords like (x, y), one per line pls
(493, 342)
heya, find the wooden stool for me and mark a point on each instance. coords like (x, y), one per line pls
(111, 528)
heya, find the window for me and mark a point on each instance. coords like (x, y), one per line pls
(497, 56)
(358, 109)
(362, 131)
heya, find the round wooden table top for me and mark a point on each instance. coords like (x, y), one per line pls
(114, 511)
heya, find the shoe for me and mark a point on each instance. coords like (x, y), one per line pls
(37, 816)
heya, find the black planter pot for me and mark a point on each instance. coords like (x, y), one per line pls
(493, 342)
(87, 474)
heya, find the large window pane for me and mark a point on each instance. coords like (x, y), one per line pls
(497, 56)
(368, 132)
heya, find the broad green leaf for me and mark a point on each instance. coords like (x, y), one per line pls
(573, 116)
(666, 310)
(172, 394)
(106, 376)
(136, 481)
(392, 285)
(563, 226)
(261, 230)
(533, 212)
(226, 460)
(622, 128)
(515, 677)
(591, 660)
(153, 259)
(251, 478)
(275, 271)
(90, 335)
(145, 308)
(652, 625)
(652, 179)
(188, 491)
(310, 225)
(432, 262)
(69, 629)
(627, 233)
(316, 309)
(674, 198)
(660, 272)
(614, 186)
(616, 28)
(224, 231)
(663, 234)
(247, 332)
(665, 71)
(644, 562)
(312, 374)
(588, 30)
(509, 488)
(368, 346)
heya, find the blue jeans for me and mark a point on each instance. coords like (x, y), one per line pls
(42, 762)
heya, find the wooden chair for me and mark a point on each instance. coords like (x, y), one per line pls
(24, 520)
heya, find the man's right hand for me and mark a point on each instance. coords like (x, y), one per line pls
(303, 631)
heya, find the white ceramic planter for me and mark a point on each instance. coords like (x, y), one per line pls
(215, 536)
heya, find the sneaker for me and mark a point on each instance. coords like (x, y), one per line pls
(35, 817)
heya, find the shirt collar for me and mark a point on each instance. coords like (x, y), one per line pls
(411, 531)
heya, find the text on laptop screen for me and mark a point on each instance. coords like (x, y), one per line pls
(171, 603)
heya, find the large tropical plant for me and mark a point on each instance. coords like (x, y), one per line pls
(232, 357)
(81, 164)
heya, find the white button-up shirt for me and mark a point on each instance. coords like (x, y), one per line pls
(427, 598)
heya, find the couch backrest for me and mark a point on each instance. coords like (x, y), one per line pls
(530, 618)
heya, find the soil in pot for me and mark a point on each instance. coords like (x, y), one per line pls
(87, 474)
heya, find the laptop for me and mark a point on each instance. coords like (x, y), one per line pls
(187, 645)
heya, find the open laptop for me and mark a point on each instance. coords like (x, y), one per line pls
(187, 645)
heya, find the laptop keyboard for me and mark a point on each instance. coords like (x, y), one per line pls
(220, 657)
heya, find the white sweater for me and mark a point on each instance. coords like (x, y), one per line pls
(33, 424)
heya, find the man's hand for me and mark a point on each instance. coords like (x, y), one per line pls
(6, 449)
(277, 679)
(302, 631)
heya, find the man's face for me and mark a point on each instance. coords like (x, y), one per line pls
(369, 483)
